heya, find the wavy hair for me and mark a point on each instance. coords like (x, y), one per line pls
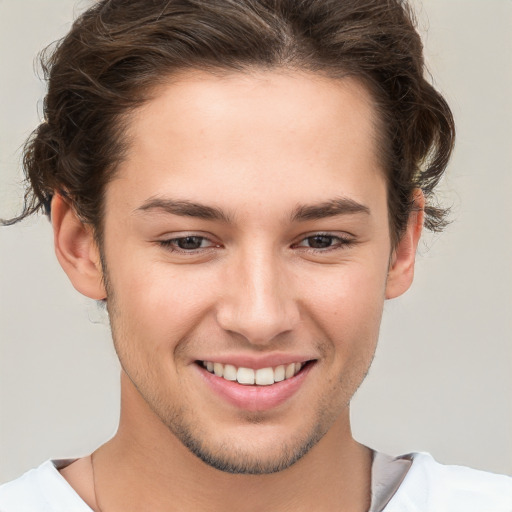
(118, 51)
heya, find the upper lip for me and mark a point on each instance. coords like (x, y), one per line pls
(257, 362)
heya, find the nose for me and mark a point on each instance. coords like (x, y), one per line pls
(258, 301)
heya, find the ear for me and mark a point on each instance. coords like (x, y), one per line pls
(76, 249)
(401, 267)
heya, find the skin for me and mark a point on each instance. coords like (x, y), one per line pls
(259, 283)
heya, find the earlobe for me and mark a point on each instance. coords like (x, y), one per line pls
(76, 249)
(401, 269)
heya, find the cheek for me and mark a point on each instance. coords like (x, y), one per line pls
(155, 304)
(347, 304)
(352, 290)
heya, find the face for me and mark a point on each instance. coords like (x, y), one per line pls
(247, 250)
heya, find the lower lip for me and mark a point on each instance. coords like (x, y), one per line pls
(255, 398)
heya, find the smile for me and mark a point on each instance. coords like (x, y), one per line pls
(249, 376)
(255, 389)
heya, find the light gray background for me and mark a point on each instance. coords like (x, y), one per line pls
(442, 379)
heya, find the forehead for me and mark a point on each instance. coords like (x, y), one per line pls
(250, 136)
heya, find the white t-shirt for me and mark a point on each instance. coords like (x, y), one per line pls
(410, 483)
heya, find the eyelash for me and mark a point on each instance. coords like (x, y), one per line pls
(337, 242)
(171, 244)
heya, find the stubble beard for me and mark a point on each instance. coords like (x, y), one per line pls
(226, 457)
(235, 460)
(244, 460)
(240, 456)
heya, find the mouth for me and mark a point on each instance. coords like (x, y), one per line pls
(255, 385)
(254, 377)
(255, 389)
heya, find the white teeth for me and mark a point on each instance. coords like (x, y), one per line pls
(264, 376)
(248, 376)
(245, 376)
(279, 373)
(218, 369)
(290, 371)
(229, 372)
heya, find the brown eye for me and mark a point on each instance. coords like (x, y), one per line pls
(186, 243)
(324, 242)
(320, 241)
(189, 242)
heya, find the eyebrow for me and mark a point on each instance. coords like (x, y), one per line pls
(332, 208)
(184, 208)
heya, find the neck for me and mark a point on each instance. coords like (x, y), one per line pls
(145, 467)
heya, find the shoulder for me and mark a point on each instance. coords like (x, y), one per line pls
(431, 486)
(42, 489)
(26, 493)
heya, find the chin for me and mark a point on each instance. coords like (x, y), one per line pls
(266, 452)
(230, 459)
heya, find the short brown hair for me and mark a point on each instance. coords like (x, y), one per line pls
(117, 51)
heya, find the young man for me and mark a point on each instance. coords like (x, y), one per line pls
(243, 183)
